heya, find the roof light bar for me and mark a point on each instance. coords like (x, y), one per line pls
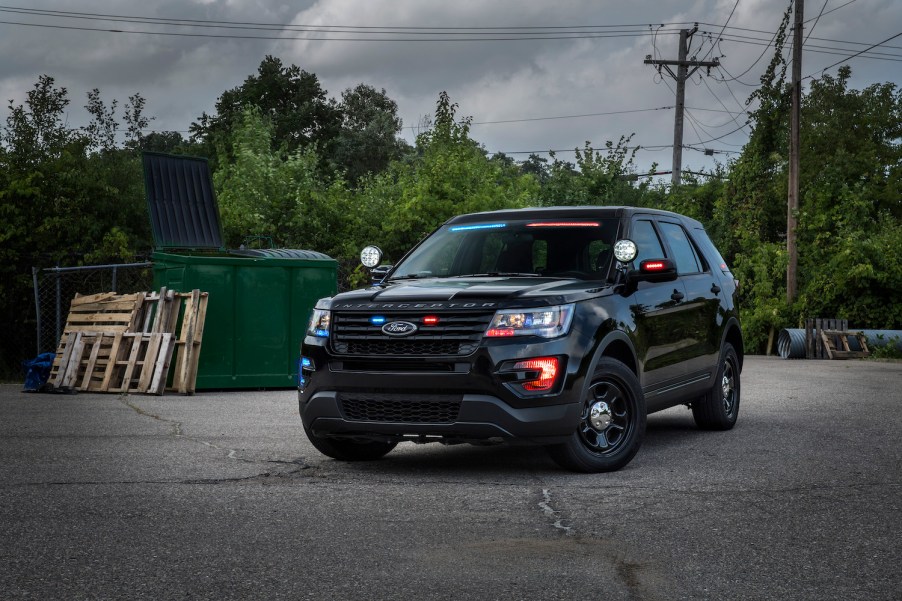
(478, 226)
(564, 224)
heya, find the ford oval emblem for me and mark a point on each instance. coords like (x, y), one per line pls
(399, 328)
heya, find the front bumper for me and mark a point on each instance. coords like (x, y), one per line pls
(489, 408)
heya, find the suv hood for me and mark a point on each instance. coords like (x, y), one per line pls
(490, 291)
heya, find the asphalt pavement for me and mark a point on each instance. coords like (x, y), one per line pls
(220, 496)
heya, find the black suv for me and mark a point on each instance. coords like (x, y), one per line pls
(561, 327)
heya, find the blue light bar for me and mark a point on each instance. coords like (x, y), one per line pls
(306, 362)
(478, 226)
(377, 320)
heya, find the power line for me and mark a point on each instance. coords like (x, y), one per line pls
(575, 36)
(660, 108)
(805, 41)
(856, 54)
(302, 27)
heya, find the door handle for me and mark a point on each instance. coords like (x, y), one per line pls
(677, 295)
(715, 288)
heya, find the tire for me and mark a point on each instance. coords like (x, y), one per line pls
(608, 440)
(719, 408)
(350, 450)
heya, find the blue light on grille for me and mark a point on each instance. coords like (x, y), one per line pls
(377, 320)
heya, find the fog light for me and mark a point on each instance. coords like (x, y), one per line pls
(547, 370)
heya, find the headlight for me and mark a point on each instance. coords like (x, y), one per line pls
(320, 321)
(547, 322)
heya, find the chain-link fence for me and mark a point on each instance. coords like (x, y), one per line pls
(55, 287)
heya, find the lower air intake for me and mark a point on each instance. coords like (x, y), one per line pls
(404, 408)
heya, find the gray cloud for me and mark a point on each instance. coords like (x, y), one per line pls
(181, 77)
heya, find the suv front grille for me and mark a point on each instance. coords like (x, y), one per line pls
(405, 408)
(454, 334)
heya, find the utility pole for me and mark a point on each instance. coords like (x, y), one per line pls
(792, 204)
(683, 73)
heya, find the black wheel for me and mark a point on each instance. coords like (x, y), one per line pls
(612, 424)
(719, 408)
(349, 450)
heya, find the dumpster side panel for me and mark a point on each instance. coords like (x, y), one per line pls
(257, 312)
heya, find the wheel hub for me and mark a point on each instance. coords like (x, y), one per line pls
(600, 416)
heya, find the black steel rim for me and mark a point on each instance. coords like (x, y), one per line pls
(607, 440)
(728, 388)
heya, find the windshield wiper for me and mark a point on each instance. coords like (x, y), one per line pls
(499, 274)
(409, 276)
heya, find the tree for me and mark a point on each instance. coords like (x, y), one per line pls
(67, 197)
(278, 194)
(597, 178)
(292, 100)
(451, 175)
(368, 140)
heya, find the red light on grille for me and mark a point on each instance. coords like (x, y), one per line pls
(499, 333)
(653, 266)
(563, 224)
(430, 320)
(547, 368)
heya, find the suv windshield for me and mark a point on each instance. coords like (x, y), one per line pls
(554, 248)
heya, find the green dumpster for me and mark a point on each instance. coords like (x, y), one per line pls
(259, 299)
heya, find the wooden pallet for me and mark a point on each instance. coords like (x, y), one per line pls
(116, 362)
(814, 341)
(834, 338)
(125, 343)
(191, 334)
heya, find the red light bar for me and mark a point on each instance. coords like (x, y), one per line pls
(564, 224)
(653, 266)
(430, 320)
(499, 332)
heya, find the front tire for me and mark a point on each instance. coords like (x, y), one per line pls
(719, 408)
(349, 450)
(612, 423)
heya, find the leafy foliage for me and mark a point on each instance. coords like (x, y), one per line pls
(306, 171)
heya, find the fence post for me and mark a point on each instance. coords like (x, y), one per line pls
(59, 309)
(114, 280)
(37, 308)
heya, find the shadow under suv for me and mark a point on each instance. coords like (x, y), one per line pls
(562, 327)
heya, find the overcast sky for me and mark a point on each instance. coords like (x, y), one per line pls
(596, 68)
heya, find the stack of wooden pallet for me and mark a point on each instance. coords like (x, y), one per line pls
(125, 342)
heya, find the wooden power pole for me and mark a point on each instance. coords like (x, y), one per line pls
(792, 204)
(682, 74)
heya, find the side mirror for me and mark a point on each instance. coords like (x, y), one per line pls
(380, 272)
(653, 270)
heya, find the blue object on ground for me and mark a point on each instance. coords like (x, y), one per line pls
(37, 371)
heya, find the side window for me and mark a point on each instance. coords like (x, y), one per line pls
(647, 241)
(708, 248)
(683, 252)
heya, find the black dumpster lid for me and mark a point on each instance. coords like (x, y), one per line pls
(180, 199)
(281, 253)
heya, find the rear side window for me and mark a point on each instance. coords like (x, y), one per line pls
(709, 250)
(683, 253)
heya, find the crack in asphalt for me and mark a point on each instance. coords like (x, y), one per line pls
(193, 481)
(177, 432)
(551, 512)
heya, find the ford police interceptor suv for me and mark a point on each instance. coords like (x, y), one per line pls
(562, 327)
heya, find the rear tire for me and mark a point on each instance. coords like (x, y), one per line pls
(350, 450)
(719, 408)
(612, 423)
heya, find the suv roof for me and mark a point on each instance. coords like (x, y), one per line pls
(568, 212)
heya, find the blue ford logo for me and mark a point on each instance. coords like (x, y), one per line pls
(399, 328)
